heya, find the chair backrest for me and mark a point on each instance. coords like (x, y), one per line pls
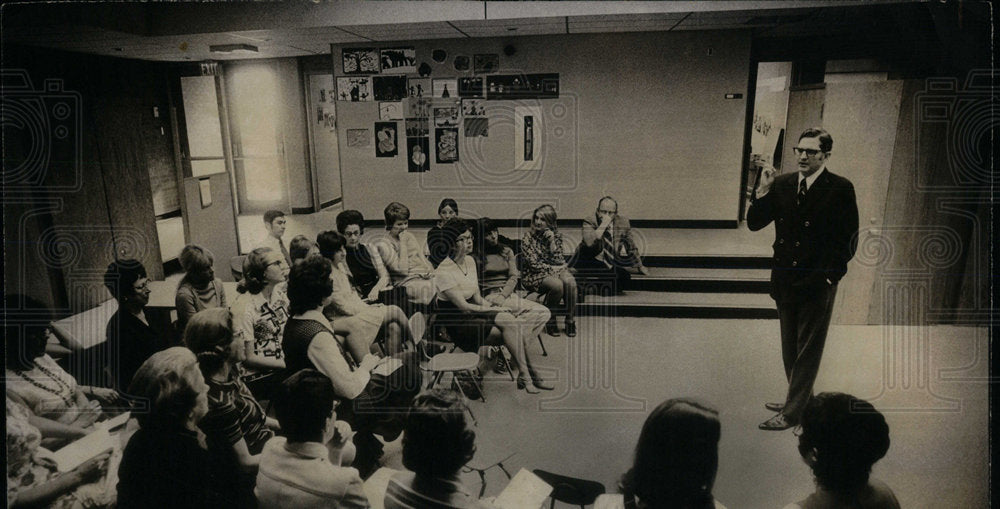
(236, 266)
(571, 490)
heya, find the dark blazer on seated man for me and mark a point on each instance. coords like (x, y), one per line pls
(607, 245)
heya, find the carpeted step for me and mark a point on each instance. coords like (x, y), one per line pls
(681, 305)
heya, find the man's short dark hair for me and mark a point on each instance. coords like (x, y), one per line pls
(271, 215)
(349, 217)
(825, 140)
(437, 440)
(303, 403)
(309, 284)
(121, 276)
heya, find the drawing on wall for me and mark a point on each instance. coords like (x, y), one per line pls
(390, 111)
(358, 138)
(417, 148)
(418, 107)
(470, 87)
(389, 88)
(476, 126)
(418, 87)
(399, 60)
(322, 95)
(417, 127)
(354, 89)
(446, 116)
(386, 144)
(446, 144)
(527, 137)
(473, 107)
(461, 63)
(446, 87)
(326, 118)
(360, 60)
(485, 63)
(522, 86)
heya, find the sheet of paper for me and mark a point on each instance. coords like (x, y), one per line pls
(74, 454)
(524, 490)
(387, 367)
(114, 422)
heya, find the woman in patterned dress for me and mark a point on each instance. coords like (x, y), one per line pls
(544, 268)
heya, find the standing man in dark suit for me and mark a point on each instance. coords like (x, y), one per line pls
(815, 215)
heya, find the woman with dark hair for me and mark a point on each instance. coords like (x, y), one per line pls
(437, 443)
(164, 463)
(375, 387)
(842, 437)
(360, 321)
(132, 336)
(199, 289)
(259, 315)
(300, 247)
(403, 256)
(364, 264)
(468, 318)
(545, 270)
(436, 251)
(676, 460)
(235, 425)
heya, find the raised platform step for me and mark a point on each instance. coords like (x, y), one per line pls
(708, 261)
(680, 305)
(667, 279)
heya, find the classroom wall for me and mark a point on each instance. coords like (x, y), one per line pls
(641, 116)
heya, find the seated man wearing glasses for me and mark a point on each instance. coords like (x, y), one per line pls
(608, 251)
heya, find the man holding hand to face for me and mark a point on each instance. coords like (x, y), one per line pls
(608, 249)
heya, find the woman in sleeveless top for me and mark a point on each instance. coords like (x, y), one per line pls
(404, 257)
(364, 264)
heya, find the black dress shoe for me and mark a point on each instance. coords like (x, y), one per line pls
(777, 423)
(552, 329)
(571, 329)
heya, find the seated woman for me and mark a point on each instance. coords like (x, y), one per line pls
(300, 247)
(199, 289)
(364, 264)
(498, 276)
(435, 250)
(59, 407)
(164, 465)
(299, 469)
(132, 335)
(404, 258)
(374, 389)
(235, 423)
(676, 460)
(437, 443)
(361, 322)
(259, 315)
(545, 270)
(842, 437)
(467, 317)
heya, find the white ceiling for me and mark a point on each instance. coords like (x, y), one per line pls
(184, 31)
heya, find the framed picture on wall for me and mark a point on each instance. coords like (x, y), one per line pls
(417, 150)
(417, 127)
(386, 139)
(360, 60)
(473, 108)
(476, 126)
(446, 87)
(390, 111)
(470, 87)
(446, 115)
(354, 90)
(418, 87)
(398, 60)
(486, 63)
(358, 138)
(389, 88)
(446, 145)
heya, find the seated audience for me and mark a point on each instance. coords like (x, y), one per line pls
(842, 437)
(364, 264)
(360, 321)
(259, 315)
(297, 469)
(468, 318)
(608, 250)
(300, 248)
(199, 289)
(676, 460)
(235, 425)
(274, 223)
(59, 407)
(435, 250)
(132, 336)
(437, 443)
(164, 463)
(544, 268)
(373, 389)
(403, 256)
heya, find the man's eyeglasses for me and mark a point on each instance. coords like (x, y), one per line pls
(807, 151)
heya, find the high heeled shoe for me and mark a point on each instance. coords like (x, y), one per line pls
(539, 383)
(523, 384)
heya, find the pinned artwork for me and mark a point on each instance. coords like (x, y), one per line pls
(486, 63)
(386, 144)
(360, 60)
(418, 87)
(390, 111)
(473, 107)
(417, 127)
(354, 89)
(527, 137)
(470, 87)
(399, 60)
(522, 86)
(461, 63)
(446, 116)
(476, 126)
(447, 144)
(446, 87)
(358, 138)
(417, 149)
(418, 107)
(389, 88)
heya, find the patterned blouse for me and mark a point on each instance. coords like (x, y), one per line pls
(47, 389)
(261, 321)
(542, 257)
(233, 413)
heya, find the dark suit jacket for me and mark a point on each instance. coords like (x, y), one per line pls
(626, 251)
(813, 242)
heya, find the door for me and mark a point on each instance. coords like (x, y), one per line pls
(323, 140)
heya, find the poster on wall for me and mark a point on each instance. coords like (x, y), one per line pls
(445, 87)
(473, 107)
(390, 111)
(389, 88)
(418, 87)
(417, 148)
(358, 138)
(354, 89)
(527, 137)
(486, 63)
(476, 126)
(446, 115)
(360, 60)
(470, 87)
(446, 145)
(522, 86)
(399, 60)
(386, 139)
(417, 107)
(417, 127)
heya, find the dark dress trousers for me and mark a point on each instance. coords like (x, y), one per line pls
(813, 242)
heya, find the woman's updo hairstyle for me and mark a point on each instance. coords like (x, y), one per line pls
(254, 271)
(209, 334)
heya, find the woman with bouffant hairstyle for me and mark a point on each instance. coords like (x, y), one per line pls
(259, 315)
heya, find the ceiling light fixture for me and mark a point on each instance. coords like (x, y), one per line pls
(233, 48)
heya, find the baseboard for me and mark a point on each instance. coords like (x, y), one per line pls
(303, 210)
(703, 224)
(331, 203)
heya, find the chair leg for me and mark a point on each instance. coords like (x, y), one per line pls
(482, 478)
(542, 343)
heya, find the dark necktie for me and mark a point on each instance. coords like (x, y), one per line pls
(801, 198)
(608, 247)
(284, 251)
